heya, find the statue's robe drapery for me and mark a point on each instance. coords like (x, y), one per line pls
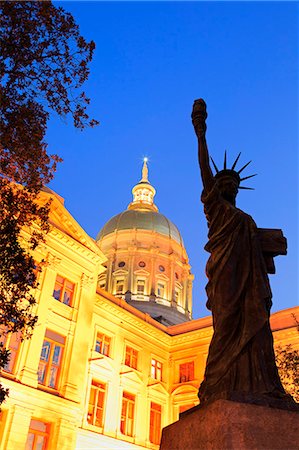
(241, 359)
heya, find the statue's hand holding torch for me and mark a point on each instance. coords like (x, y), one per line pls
(199, 115)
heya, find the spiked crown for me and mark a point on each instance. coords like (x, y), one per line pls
(232, 172)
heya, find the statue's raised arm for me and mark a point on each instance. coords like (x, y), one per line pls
(199, 115)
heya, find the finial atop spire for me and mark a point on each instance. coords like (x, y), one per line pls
(144, 178)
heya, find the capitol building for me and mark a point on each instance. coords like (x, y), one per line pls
(115, 355)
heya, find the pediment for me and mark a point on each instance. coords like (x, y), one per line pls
(120, 272)
(161, 276)
(142, 272)
(131, 374)
(156, 386)
(185, 389)
(103, 363)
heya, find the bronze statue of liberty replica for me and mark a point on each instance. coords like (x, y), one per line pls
(243, 405)
(241, 362)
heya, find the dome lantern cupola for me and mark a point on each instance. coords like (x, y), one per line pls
(143, 192)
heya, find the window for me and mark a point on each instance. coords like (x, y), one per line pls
(131, 357)
(103, 344)
(63, 290)
(102, 281)
(38, 436)
(95, 415)
(156, 369)
(11, 342)
(119, 287)
(187, 372)
(155, 423)
(127, 414)
(50, 359)
(161, 289)
(140, 287)
(102, 285)
(178, 296)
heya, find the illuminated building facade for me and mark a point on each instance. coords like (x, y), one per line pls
(99, 371)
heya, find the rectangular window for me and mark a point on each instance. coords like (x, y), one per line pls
(51, 359)
(140, 287)
(119, 287)
(160, 290)
(187, 372)
(95, 415)
(63, 290)
(131, 357)
(38, 435)
(156, 370)
(155, 423)
(11, 342)
(103, 344)
(178, 296)
(127, 414)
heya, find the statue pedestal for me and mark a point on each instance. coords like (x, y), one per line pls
(227, 425)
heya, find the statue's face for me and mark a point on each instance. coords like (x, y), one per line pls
(228, 187)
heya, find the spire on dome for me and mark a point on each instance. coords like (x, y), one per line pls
(143, 192)
(144, 178)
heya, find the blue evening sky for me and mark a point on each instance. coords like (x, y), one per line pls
(151, 61)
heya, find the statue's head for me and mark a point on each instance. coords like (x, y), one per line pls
(228, 180)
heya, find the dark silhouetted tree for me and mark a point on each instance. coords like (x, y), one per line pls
(43, 64)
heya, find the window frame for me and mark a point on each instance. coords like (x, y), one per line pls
(63, 290)
(140, 282)
(105, 338)
(48, 365)
(117, 281)
(37, 433)
(127, 423)
(155, 432)
(189, 375)
(132, 354)
(6, 339)
(99, 387)
(156, 372)
(102, 280)
(161, 285)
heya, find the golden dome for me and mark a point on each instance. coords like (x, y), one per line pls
(141, 220)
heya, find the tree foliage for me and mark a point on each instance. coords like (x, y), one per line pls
(287, 361)
(43, 64)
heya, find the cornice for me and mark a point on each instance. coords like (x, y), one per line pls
(194, 336)
(71, 243)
